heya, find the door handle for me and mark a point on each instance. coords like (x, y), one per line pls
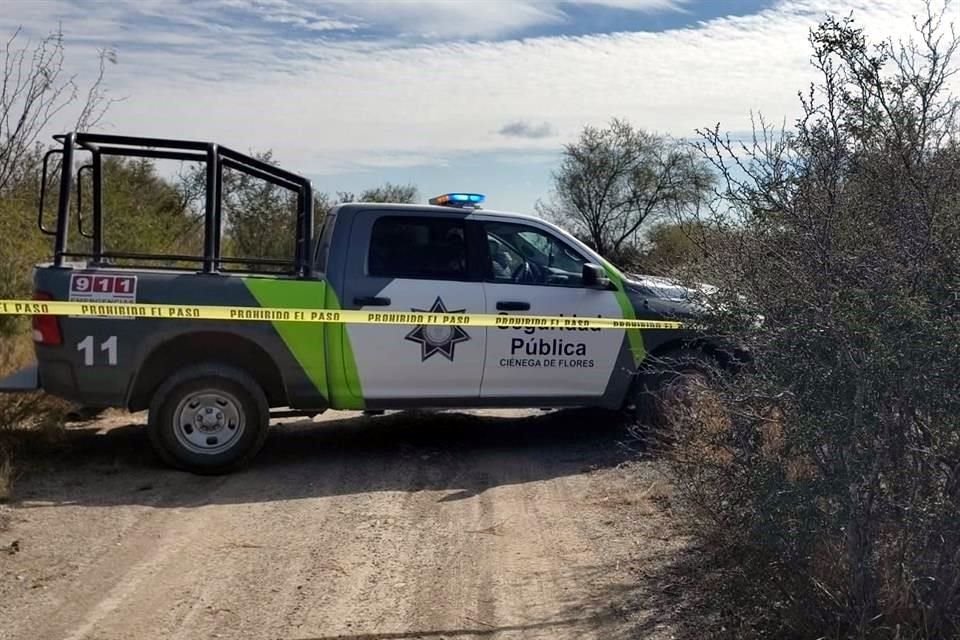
(371, 301)
(513, 305)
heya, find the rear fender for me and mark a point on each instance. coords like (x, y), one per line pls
(163, 357)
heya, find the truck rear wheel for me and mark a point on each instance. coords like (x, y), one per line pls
(208, 419)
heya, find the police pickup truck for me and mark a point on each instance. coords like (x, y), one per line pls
(210, 385)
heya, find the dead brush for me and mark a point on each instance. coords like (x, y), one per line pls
(834, 260)
(6, 476)
(26, 419)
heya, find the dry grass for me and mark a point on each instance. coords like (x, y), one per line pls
(6, 477)
(22, 414)
(743, 478)
(704, 435)
(15, 351)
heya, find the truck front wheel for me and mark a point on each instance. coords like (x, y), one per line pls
(208, 419)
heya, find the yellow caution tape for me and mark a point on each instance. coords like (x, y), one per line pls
(278, 314)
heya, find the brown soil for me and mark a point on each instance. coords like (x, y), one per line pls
(502, 524)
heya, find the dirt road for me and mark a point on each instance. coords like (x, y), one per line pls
(488, 524)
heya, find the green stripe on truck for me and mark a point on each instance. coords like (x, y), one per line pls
(323, 351)
(346, 392)
(635, 336)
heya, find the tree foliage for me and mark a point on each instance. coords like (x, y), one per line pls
(143, 212)
(259, 218)
(670, 247)
(35, 88)
(387, 192)
(613, 180)
(834, 477)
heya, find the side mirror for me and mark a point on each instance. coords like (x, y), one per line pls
(594, 277)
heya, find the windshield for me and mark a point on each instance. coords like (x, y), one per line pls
(521, 253)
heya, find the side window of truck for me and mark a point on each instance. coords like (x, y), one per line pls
(418, 247)
(527, 255)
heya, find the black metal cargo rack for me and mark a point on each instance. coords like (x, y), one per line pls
(215, 157)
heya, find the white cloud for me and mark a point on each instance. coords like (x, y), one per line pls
(462, 18)
(482, 18)
(327, 105)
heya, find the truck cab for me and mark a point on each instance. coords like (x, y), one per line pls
(210, 384)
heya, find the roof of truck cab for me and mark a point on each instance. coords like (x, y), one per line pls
(414, 209)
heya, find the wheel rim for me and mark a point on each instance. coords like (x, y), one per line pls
(208, 422)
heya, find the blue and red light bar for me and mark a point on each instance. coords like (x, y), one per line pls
(458, 199)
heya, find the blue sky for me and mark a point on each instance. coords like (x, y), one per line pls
(446, 94)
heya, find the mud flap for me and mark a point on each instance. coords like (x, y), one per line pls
(26, 379)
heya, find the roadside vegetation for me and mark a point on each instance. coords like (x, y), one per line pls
(826, 478)
(37, 91)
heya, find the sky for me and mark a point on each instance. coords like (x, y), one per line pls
(450, 95)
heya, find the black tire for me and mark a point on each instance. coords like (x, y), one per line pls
(669, 378)
(233, 403)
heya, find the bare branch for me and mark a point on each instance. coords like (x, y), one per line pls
(612, 181)
(34, 89)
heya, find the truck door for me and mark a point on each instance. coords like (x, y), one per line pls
(402, 263)
(531, 270)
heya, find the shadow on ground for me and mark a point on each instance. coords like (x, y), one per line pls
(706, 594)
(675, 597)
(460, 453)
(675, 592)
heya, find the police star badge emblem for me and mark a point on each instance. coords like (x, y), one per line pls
(435, 338)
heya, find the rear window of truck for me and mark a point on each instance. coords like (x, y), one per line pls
(405, 247)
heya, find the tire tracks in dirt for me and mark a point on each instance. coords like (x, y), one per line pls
(473, 528)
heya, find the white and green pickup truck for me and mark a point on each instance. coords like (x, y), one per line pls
(210, 385)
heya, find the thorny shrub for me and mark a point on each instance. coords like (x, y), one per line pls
(834, 468)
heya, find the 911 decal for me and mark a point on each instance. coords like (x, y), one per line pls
(102, 288)
(87, 287)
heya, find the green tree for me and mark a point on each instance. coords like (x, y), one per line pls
(259, 217)
(672, 246)
(144, 212)
(613, 180)
(23, 244)
(387, 192)
(34, 89)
